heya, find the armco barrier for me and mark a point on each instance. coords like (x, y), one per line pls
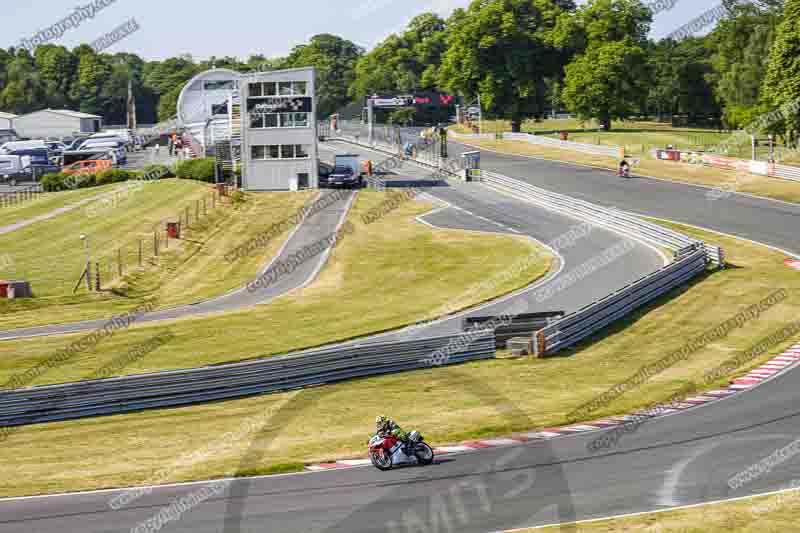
(613, 219)
(786, 172)
(186, 387)
(575, 327)
(616, 152)
(691, 258)
(468, 136)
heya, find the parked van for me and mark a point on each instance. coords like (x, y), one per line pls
(13, 146)
(14, 167)
(126, 135)
(116, 145)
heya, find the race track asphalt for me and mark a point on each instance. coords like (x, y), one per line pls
(680, 459)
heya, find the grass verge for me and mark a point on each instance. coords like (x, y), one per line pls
(188, 270)
(450, 404)
(425, 269)
(45, 203)
(679, 172)
(776, 513)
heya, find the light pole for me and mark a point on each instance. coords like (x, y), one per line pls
(87, 248)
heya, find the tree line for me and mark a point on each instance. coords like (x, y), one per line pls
(522, 57)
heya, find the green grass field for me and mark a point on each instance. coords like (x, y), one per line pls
(51, 255)
(188, 270)
(481, 399)
(44, 203)
(776, 513)
(431, 272)
(640, 137)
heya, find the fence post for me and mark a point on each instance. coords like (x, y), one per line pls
(140, 253)
(119, 261)
(97, 272)
(197, 209)
(213, 200)
(166, 239)
(155, 243)
(205, 212)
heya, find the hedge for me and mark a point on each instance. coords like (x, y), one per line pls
(196, 169)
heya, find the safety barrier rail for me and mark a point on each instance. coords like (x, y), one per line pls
(587, 321)
(186, 387)
(594, 149)
(691, 259)
(467, 136)
(786, 172)
(613, 219)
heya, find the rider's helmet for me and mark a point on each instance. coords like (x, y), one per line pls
(380, 421)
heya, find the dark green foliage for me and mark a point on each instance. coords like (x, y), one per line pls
(196, 169)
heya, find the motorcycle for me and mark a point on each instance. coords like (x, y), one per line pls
(387, 451)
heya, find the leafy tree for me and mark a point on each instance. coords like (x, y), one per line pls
(403, 116)
(678, 82)
(403, 63)
(94, 71)
(57, 69)
(739, 45)
(162, 77)
(334, 59)
(782, 83)
(168, 103)
(503, 50)
(24, 91)
(608, 79)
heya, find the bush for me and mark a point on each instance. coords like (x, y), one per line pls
(114, 175)
(54, 182)
(237, 199)
(162, 171)
(196, 169)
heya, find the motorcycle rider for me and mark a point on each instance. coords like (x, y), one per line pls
(386, 426)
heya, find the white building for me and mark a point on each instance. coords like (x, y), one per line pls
(7, 121)
(279, 130)
(56, 123)
(267, 119)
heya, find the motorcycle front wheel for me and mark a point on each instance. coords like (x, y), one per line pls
(423, 453)
(381, 459)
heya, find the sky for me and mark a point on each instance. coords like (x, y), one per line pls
(244, 27)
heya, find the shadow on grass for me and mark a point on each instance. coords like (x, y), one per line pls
(622, 324)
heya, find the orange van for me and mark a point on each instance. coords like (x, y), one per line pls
(88, 166)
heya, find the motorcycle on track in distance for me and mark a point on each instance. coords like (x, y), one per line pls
(387, 451)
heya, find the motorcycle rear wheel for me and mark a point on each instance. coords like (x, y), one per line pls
(423, 453)
(381, 459)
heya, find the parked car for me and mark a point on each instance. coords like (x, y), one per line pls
(14, 146)
(38, 155)
(14, 167)
(71, 157)
(117, 146)
(56, 148)
(76, 142)
(8, 136)
(88, 166)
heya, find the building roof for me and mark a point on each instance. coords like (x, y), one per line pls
(76, 114)
(64, 112)
(7, 115)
